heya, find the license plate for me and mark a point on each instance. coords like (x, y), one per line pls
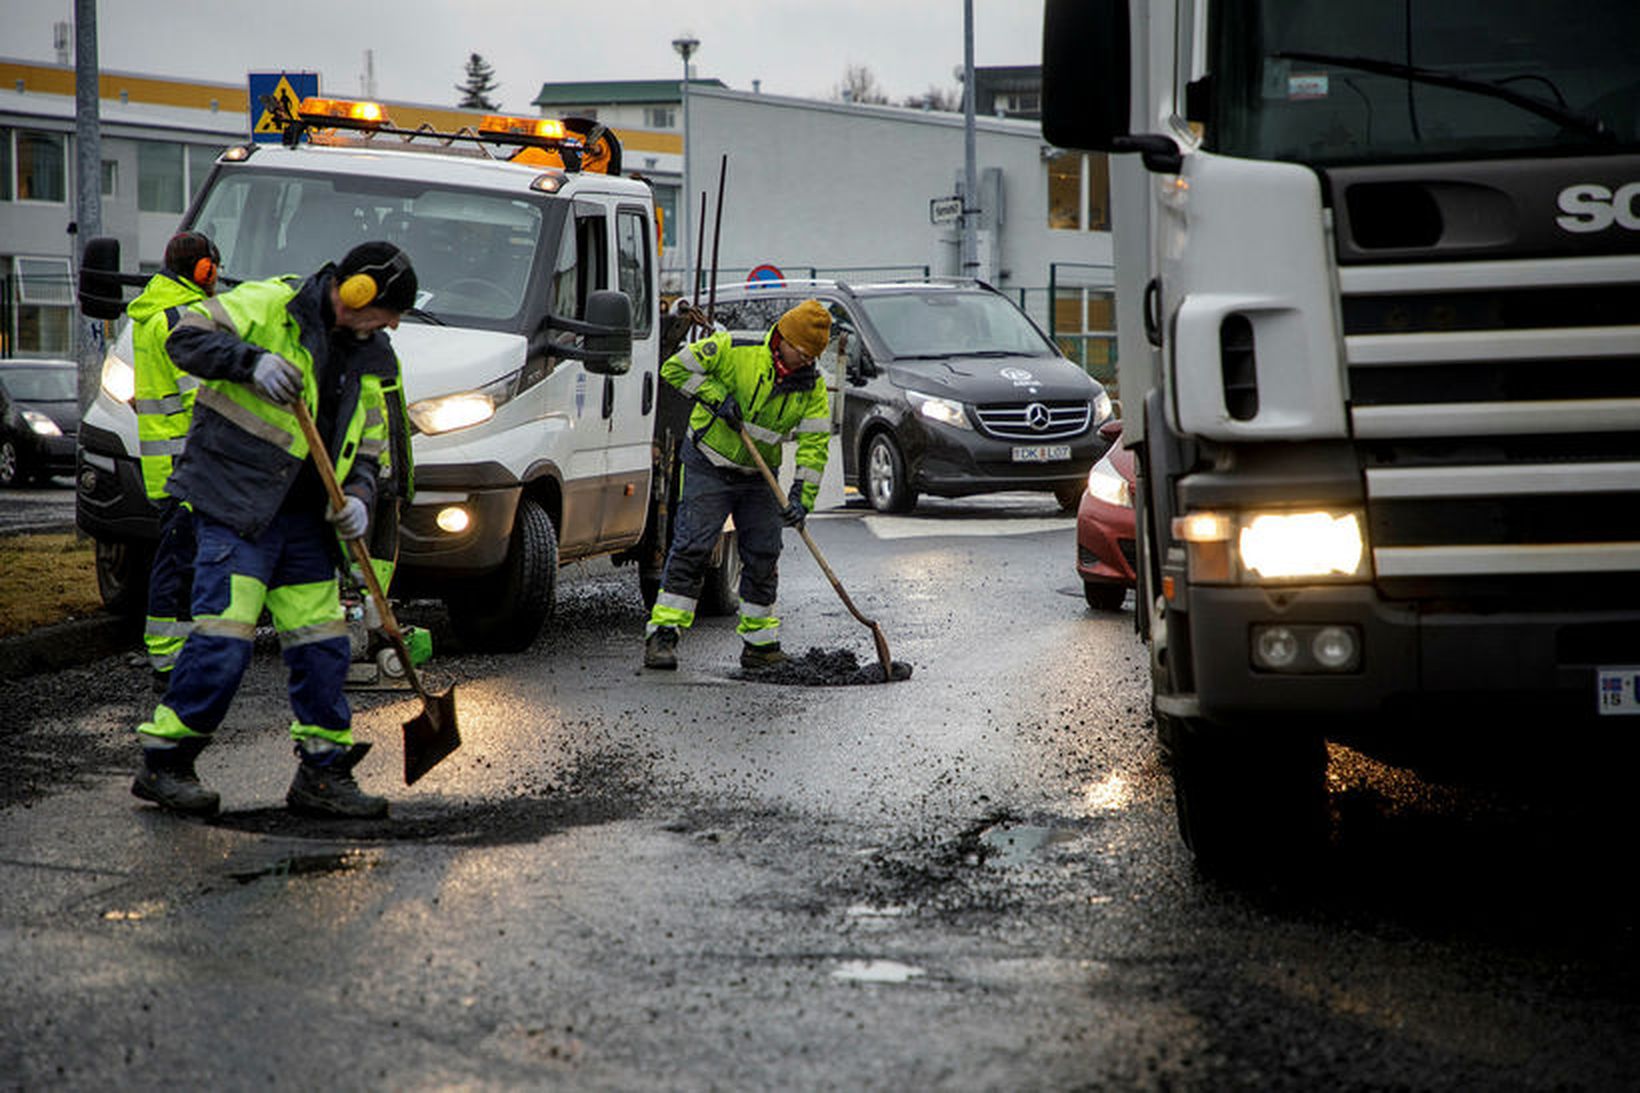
(1042, 453)
(1618, 690)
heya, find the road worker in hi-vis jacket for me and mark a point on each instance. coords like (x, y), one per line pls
(772, 388)
(263, 525)
(164, 401)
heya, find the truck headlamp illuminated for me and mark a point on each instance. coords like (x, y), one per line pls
(447, 413)
(943, 410)
(1302, 544)
(453, 519)
(1108, 486)
(118, 378)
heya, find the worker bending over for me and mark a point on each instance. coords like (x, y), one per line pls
(260, 512)
(772, 387)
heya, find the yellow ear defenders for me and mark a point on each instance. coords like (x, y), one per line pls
(360, 290)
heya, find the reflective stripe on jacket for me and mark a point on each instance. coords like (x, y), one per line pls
(722, 364)
(164, 394)
(244, 452)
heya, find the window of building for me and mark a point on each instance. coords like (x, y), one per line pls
(1078, 192)
(160, 182)
(660, 117)
(44, 310)
(42, 165)
(110, 178)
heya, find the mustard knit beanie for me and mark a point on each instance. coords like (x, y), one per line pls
(807, 326)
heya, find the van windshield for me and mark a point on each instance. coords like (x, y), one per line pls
(948, 324)
(1353, 81)
(474, 253)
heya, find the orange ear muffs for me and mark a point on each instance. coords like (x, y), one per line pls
(357, 291)
(204, 274)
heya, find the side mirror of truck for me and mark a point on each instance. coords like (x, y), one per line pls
(1087, 83)
(605, 342)
(101, 293)
(609, 351)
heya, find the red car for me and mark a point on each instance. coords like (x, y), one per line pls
(1105, 554)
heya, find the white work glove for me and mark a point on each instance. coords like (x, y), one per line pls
(352, 520)
(276, 379)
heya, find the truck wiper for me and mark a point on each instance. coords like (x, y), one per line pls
(1570, 119)
(426, 316)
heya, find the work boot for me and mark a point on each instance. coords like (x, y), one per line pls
(660, 649)
(167, 778)
(324, 786)
(755, 657)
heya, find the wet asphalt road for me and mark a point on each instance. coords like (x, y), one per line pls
(47, 507)
(625, 880)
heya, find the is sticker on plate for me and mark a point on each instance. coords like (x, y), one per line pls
(1618, 690)
(1041, 453)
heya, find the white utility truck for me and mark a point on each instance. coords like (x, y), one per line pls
(530, 363)
(1378, 282)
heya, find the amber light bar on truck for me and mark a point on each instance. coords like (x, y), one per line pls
(574, 144)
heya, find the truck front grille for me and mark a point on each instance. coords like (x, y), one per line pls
(1498, 429)
(1044, 420)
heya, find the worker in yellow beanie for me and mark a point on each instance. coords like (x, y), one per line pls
(772, 387)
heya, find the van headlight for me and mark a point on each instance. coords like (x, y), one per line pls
(463, 409)
(1102, 407)
(119, 380)
(1273, 547)
(943, 410)
(40, 424)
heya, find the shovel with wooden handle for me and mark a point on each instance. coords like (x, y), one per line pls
(432, 734)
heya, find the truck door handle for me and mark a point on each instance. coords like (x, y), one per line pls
(648, 392)
(609, 397)
(1153, 312)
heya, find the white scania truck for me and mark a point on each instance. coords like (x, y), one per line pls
(1378, 274)
(539, 428)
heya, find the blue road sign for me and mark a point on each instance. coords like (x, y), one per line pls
(289, 88)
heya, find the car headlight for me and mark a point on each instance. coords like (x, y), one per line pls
(943, 410)
(42, 425)
(1274, 546)
(446, 413)
(118, 378)
(1109, 486)
(1102, 407)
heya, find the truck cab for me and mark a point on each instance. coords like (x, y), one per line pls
(529, 362)
(1376, 275)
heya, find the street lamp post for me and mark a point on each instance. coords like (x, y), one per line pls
(686, 44)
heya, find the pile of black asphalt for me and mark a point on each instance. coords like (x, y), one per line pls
(826, 668)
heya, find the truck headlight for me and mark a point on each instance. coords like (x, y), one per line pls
(41, 424)
(1273, 546)
(1108, 486)
(943, 410)
(118, 378)
(446, 413)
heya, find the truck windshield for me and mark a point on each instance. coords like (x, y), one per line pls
(949, 324)
(1355, 81)
(474, 252)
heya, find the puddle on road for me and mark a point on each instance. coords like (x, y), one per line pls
(1015, 844)
(306, 865)
(875, 971)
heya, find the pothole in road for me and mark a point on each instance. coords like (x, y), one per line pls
(1016, 844)
(826, 668)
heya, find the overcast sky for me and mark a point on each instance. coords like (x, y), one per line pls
(420, 52)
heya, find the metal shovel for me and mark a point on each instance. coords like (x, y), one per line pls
(431, 735)
(876, 631)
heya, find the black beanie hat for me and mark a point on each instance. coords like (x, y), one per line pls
(390, 269)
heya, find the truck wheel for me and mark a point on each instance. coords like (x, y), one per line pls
(1252, 806)
(1103, 597)
(504, 611)
(720, 593)
(887, 485)
(122, 577)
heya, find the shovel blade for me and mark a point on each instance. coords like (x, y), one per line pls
(430, 735)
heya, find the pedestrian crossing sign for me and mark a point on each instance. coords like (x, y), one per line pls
(286, 88)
